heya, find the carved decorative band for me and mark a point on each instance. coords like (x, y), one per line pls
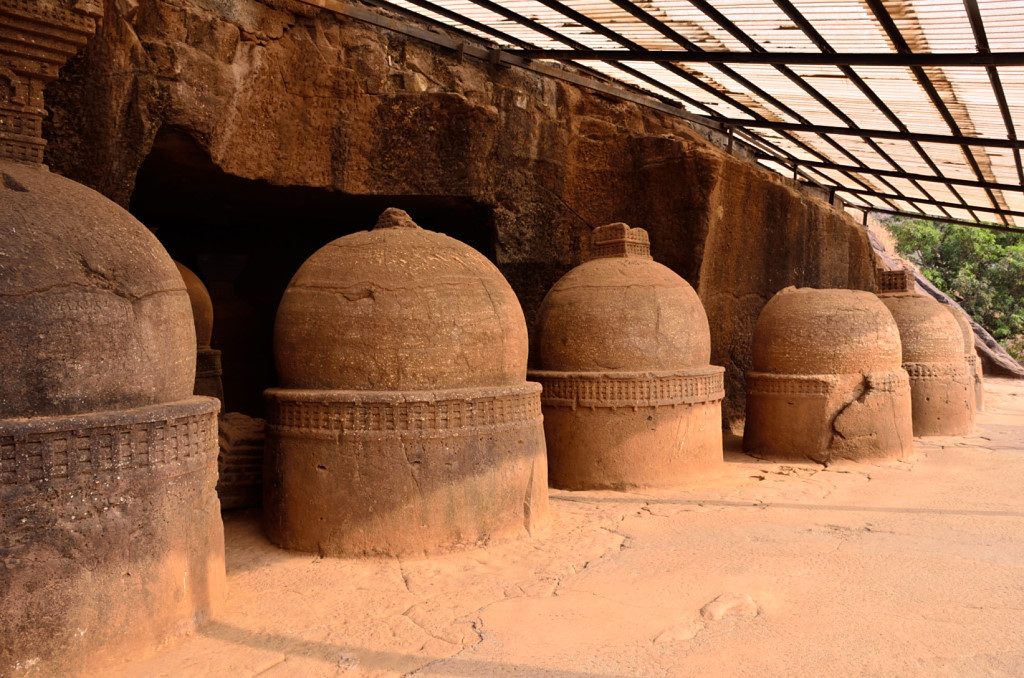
(901, 281)
(208, 363)
(889, 382)
(48, 15)
(21, 151)
(22, 124)
(630, 389)
(294, 410)
(815, 385)
(820, 385)
(950, 370)
(43, 449)
(621, 248)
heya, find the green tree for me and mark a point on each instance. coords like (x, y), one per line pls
(983, 270)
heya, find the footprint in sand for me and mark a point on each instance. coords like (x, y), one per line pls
(738, 605)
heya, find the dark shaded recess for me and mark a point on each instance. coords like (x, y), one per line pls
(246, 239)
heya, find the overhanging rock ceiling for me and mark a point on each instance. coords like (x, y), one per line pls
(904, 106)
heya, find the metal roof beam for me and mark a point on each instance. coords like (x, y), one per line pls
(555, 35)
(812, 33)
(928, 217)
(671, 96)
(950, 59)
(853, 172)
(981, 40)
(821, 43)
(898, 174)
(878, 8)
(601, 29)
(507, 56)
(925, 201)
(753, 45)
(874, 133)
(658, 25)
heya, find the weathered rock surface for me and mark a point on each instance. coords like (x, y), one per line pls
(285, 93)
(110, 532)
(202, 306)
(738, 605)
(100, 320)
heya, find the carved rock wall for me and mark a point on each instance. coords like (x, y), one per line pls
(285, 93)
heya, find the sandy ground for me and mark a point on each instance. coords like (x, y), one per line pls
(912, 568)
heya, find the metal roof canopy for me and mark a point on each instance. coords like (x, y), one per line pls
(784, 58)
(902, 106)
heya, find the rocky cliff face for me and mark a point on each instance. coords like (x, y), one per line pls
(285, 94)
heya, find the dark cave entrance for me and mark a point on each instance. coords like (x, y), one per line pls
(245, 239)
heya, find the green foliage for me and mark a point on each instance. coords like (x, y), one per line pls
(983, 270)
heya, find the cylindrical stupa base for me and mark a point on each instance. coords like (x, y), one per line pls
(630, 430)
(826, 418)
(360, 473)
(943, 395)
(209, 381)
(110, 533)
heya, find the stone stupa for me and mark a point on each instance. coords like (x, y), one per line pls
(404, 423)
(622, 348)
(110, 532)
(941, 388)
(826, 381)
(209, 380)
(971, 356)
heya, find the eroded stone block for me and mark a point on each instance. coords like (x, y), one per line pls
(240, 462)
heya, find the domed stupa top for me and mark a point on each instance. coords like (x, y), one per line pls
(621, 311)
(95, 316)
(827, 380)
(399, 308)
(929, 332)
(812, 331)
(934, 355)
(202, 305)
